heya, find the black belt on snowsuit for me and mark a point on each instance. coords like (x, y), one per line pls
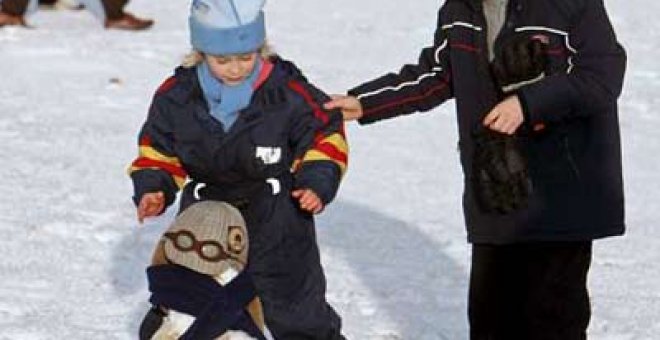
(240, 195)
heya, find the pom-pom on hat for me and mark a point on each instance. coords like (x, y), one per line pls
(224, 27)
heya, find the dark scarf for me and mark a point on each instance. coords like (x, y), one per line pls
(216, 308)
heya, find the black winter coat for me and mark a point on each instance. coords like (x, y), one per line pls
(575, 163)
(282, 135)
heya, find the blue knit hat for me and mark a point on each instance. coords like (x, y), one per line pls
(223, 27)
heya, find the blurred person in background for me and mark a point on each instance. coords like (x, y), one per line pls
(111, 12)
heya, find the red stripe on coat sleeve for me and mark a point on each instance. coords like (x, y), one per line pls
(143, 162)
(318, 112)
(406, 100)
(332, 151)
(166, 85)
(145, 141)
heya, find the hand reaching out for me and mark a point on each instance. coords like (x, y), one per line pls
(150, 205)
(350, 106)
(308, 200)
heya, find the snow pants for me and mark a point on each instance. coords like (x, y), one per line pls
(284, 260)
(532, 291)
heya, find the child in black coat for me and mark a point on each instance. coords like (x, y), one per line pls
(248, 129)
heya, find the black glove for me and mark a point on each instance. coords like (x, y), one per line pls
(521, 60)
(500, 179)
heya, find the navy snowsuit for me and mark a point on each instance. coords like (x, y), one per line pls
(281, 141)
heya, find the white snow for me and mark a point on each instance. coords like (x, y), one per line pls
(73, 96)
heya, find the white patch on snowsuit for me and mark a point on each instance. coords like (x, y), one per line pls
(268, 154)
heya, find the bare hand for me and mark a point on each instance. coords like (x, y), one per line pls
(150, 205)
(351, 108)
(308, 200)
(506, 117)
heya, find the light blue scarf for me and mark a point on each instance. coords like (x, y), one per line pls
(226, 101)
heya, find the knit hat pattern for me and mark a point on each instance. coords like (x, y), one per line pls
(212, 221)
(226, 27)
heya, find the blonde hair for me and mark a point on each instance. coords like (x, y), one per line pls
(195, 57)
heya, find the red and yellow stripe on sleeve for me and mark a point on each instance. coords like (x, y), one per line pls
(332, 147)
(327, 148)
(150, 158)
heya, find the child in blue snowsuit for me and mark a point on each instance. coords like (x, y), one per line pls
(248, 129)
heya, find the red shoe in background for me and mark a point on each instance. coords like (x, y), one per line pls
(11, 20)
(129, 22)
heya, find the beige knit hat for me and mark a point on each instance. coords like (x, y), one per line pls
(209, 237)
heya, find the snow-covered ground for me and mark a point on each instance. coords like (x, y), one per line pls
(72, 97)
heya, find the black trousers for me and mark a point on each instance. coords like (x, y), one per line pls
(532, 291)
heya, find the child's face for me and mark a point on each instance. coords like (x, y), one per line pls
(232, 69)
